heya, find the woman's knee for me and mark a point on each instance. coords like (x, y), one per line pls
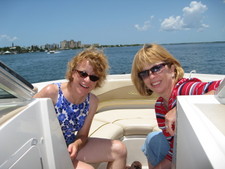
(119, 148)
(151, 140)
(80, 165)
(155, 147)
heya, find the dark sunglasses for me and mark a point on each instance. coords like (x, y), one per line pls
(154, 70)
(84, 74)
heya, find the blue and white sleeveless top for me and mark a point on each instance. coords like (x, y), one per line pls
(71, 116)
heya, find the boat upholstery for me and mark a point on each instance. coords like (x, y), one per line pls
(114, 124)
(122, 111)
(124, 115)
(128, 125)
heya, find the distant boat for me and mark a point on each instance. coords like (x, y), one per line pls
(7, 52)
(52, 52)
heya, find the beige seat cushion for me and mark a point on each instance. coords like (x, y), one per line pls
(109, 131)
(115, 124)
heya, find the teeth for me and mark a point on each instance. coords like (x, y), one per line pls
(156, 83)
(84, 86)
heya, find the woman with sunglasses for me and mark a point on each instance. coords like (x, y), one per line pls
(156, 70)
(75, 107)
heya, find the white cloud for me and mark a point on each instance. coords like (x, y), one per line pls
(172, 23)
(192, 19)
(8, 38)
(146, 26)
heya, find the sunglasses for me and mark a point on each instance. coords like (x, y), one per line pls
(84, 74)
(154, 70)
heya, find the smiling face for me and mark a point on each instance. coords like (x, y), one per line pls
(150, 58)
(160, 82)
(83, 84)
(96, 58)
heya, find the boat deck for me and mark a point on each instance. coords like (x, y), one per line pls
(122, 114)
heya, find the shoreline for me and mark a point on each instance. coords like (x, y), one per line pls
(7, 51)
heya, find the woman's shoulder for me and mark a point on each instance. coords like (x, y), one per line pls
(48, 91)
(93, 98)
(93, 102)
(186, 81)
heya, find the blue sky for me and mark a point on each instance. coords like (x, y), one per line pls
(37, 22)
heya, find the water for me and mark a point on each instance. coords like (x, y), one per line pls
(206, 58)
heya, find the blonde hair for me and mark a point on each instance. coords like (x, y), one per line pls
(97, 60)
(151, 54)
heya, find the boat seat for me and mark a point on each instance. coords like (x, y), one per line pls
(117, 123)
(128, 125)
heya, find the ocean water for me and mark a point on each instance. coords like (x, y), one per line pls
(206, 58)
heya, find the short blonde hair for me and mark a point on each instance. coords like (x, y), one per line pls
(151, 54)
(97, 59)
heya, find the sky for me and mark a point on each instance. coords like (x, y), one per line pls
(110, 22)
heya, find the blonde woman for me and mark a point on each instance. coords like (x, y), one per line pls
(75, 107)
(156, 70)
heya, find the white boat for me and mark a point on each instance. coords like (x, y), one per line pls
(31, 136)
(7, 52)
(52, 52)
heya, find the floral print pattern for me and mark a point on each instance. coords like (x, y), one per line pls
(71, 116)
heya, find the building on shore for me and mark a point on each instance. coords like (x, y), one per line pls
(51, 46)
(70, 44)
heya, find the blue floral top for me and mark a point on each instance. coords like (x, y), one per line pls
(71, 116)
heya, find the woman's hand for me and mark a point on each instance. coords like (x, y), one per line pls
(73, 150)
(170, 121)
(170, 117)
(212, 92)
